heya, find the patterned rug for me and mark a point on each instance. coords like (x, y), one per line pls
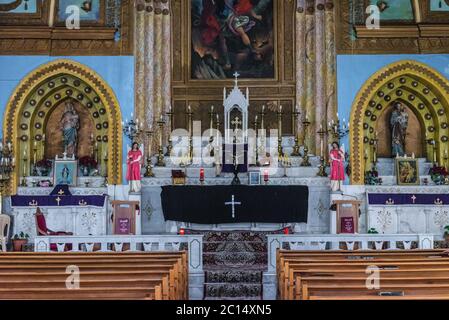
(234, 262)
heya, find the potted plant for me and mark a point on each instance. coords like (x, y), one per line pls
(87, 163)
(44, 167)
(446, 233)
(373, 231)
(19, 240)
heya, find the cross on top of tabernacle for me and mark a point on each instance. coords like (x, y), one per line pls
(236, 75)
(236, 122)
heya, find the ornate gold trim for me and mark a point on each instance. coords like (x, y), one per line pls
(424, 76)
(34, 79)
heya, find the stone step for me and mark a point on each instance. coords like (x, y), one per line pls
(222, 277)
(233, 290)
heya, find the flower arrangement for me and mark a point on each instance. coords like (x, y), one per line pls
(88, 161)
(438, 174)
(372, 178)
(44, 163)
(44, 166)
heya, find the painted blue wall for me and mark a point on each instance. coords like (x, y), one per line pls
(118, 72)
(354, 70)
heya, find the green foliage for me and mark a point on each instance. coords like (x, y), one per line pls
(373, 231)
(21, 236)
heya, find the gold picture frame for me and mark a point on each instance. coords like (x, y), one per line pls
(407, 172)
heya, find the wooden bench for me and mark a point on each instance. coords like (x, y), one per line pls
(154, 275)
(342, 275)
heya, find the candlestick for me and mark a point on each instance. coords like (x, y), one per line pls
(296, 147)
(160, 157)
(280, 149)
(202, 175)
(148, 168)
(256, 150)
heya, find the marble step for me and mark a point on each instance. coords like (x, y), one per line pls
(232, 290)
(221, 277)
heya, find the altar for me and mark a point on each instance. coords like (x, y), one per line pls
(82, 211)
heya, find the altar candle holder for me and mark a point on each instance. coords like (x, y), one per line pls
(262, 129)
(280, 149)
(105, 161)
(24, 182)
(160, 156)
(189, 121)
(211, 127)
(322, 168)
(34, 159)
(296, 147)
(148, 168)
(256, 147)
(432, 142)
(305, 159)
(170, 115)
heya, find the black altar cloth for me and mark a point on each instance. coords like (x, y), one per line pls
(264, 204)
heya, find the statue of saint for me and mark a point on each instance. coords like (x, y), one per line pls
(398, 125)
(134, 161)
(336, 160)
(69, 126)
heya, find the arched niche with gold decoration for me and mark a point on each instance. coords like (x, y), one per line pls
(424, 92)
(41, 94)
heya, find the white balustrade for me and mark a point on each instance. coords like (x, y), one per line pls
(116, 243)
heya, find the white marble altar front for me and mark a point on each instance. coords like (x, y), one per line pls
(81, 220)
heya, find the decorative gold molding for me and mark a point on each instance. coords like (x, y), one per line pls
(42, 74)
(418, 79)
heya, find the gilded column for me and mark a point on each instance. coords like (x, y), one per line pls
(310, 73)
(320, 89)
(331, 78)
(300, 61)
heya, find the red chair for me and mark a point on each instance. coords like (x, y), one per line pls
(42, 230)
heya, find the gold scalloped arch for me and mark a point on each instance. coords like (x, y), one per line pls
(104, 96)
(424, 89)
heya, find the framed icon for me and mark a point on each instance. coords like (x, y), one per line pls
(407, 171)
(65, 172)
(254, 178)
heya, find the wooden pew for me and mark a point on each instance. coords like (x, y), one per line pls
(330, 274)
(102, 276)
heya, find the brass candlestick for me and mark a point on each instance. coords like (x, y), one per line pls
(262, 129)
(256, 148)
(160, 156)
(280, 149)
(24, 182)
(148, 168)
(322, 168)
(170, 114)
(296, 148)
(189, 121)
(211, 138)
(305, 159)
(34, 159)
(105, 160)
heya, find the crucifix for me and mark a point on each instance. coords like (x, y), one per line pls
(58, 199)
(233, 203)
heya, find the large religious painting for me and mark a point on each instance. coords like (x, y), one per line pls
(232, 35)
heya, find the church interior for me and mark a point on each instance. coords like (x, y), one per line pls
(224, 149)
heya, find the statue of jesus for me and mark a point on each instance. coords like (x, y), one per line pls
(69, 126)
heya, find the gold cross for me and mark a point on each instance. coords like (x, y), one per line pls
(58, 199)
(61, 192)
(413, 198)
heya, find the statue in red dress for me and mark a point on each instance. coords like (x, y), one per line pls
(336, 159)
(134, 162)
